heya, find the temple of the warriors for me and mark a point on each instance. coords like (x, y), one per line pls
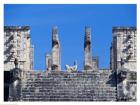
(116, 83)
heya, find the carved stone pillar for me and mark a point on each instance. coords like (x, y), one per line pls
(55, 50)
(87, 49)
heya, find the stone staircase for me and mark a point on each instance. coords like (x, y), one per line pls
(96, 86)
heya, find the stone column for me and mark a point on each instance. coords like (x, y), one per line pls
(95, 63)
(55, 50)
(48, 62)
(87, 49)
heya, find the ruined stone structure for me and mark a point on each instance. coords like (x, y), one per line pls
(18, 51)
(87, 50)
(123, 60)
(17, 46)
(124, 48)
(117, 83)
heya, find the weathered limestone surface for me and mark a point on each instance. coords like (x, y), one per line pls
(17, 44)
(123, 60)
(55, 50)
(124, 48)
(95, 63)
(63, 86)
(87, 49)
(126, 85)
(48, 62)
(15, 85)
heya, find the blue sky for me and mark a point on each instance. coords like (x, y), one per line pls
(71, 21)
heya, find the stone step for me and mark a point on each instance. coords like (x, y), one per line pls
(97, 86)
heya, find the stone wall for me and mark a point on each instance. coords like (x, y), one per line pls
(17, 45)
(124, 48)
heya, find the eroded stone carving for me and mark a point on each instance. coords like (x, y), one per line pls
(55, 50)
(126, 84)
(72, 68)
